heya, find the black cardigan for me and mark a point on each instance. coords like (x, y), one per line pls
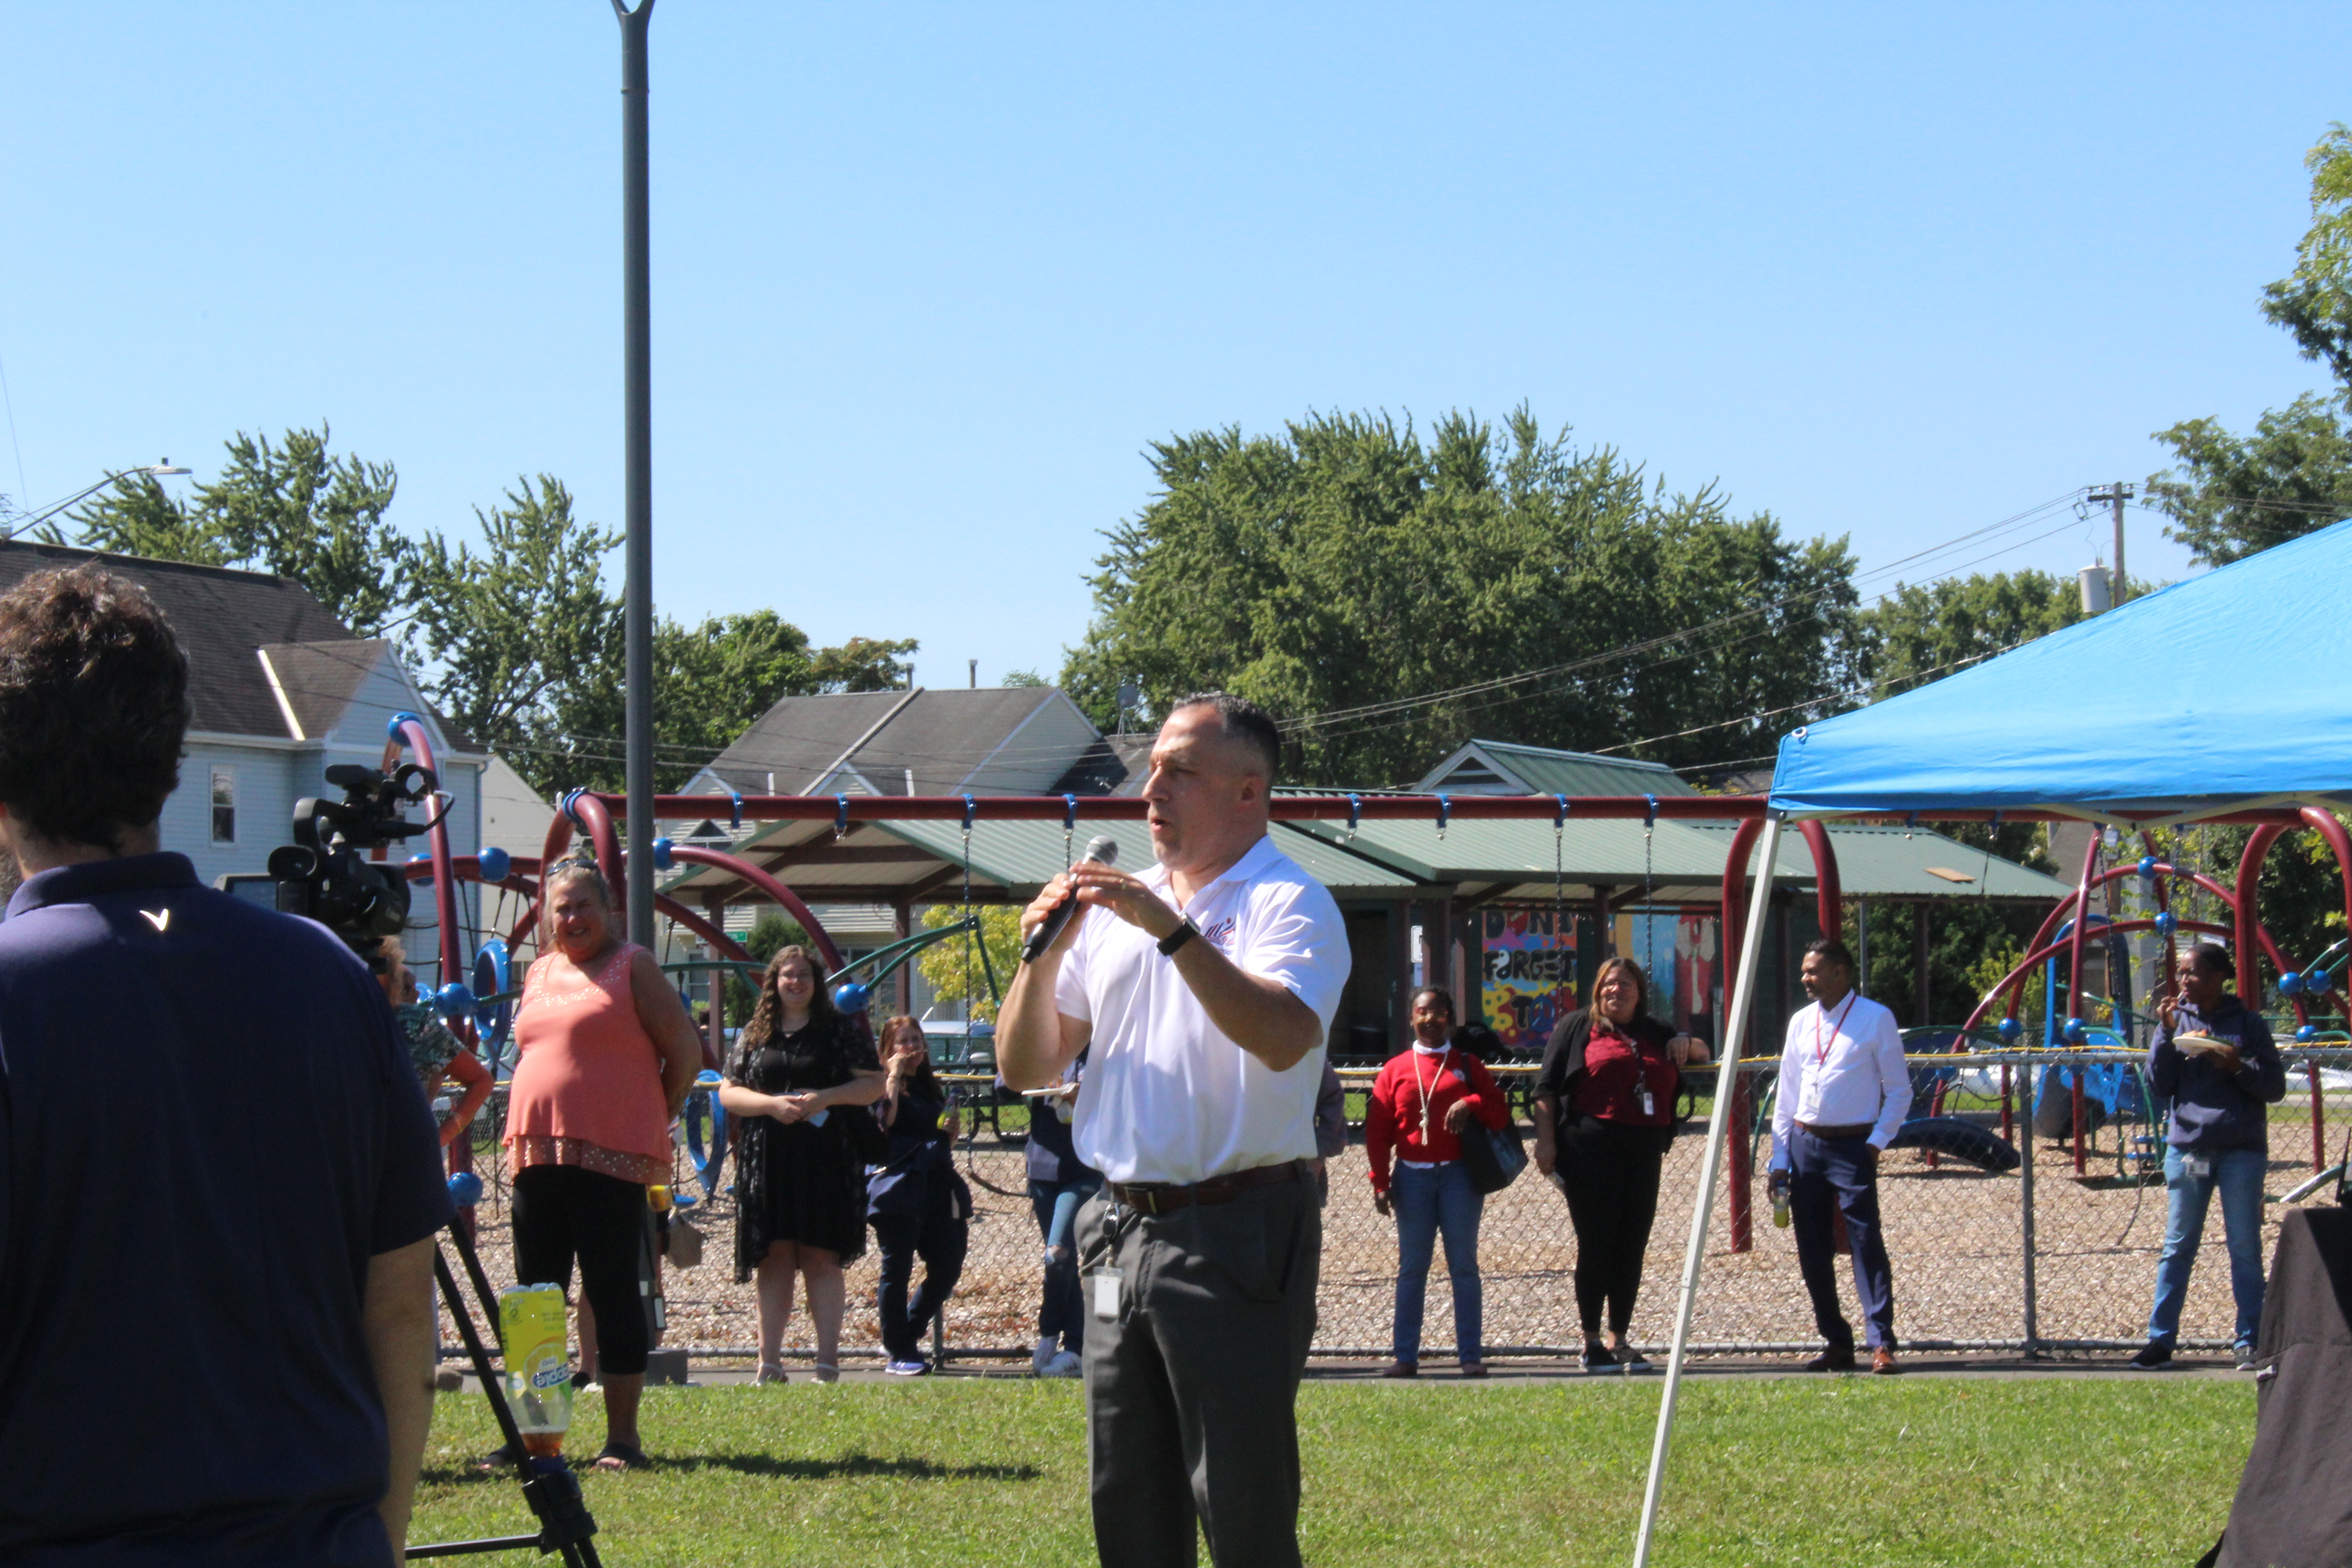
(1564, 1061)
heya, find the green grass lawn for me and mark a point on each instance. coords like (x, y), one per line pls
(1849, 1471)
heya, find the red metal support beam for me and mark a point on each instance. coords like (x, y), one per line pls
(1740, 1174)
(858, 808)
(1829, 897)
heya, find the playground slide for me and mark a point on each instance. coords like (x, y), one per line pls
(1958, 1140)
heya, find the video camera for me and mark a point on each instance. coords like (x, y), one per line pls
(325, 873)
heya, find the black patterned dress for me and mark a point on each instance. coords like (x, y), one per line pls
(800, 1182)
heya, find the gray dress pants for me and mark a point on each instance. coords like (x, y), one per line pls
(1191, 1389)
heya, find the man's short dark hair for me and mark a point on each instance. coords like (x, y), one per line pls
(1834, 951)
(93, 706)
(1241, 720)
(2212, 955)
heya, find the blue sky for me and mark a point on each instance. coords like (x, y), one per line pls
(928, 279)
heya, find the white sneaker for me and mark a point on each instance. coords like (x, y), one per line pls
(1066, 1363)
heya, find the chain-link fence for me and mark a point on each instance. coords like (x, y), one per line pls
(2092, 1202)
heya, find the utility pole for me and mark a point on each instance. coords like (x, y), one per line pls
(2115, 495)
(638, 426)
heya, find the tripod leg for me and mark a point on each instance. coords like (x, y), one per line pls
(552, 1492)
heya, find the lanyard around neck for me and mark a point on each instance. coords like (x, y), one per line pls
(1436, 1076)
(1821, 1047)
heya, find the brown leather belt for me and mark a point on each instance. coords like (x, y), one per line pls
(1165, 1197)
(1845, 1129)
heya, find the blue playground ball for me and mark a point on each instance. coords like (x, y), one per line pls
(467, 1188)
(2308, 1033)
(2147, 867)
(707, 1078)
(454, 1000)
(2290, 984)
(2315, 982)
(2076, 1032)
(2166, 921)
(2011, 1030)
(496, 864)
(850, 998)
(661, 855)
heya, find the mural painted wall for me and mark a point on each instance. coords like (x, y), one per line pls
(1530, 979)
(1529, 974)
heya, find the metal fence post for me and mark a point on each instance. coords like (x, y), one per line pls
(2025, 1200)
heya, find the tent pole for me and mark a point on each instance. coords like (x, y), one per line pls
(1726, 1082)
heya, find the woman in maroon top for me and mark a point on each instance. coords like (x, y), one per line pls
(1604, 1115)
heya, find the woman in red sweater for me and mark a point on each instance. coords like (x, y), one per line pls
(1422, 1101)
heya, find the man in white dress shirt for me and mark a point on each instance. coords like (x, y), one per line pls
(1843, 1094)
(1203, 990)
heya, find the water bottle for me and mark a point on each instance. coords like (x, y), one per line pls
(1780, 1186)
(531, 1326)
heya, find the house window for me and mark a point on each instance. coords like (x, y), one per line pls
(224, 805)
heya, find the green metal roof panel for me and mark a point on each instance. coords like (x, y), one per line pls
(1568, 772)
(1022, 857)
(1593, 851)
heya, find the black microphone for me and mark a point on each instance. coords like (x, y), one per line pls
(1104, 849)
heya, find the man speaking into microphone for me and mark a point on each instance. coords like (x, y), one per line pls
(1205, 988)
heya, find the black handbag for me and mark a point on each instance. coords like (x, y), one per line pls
(1493, 1156)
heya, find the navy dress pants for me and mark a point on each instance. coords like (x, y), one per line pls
(1840, 1174)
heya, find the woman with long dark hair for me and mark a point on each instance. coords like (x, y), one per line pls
(1604, 1115)
(916, 1203)
(798, 1072)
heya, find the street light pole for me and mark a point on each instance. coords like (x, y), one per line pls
(162, 471)
(637, 421)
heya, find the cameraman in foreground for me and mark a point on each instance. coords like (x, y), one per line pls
(219, 1183)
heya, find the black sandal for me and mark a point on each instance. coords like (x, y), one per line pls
(631, 1458)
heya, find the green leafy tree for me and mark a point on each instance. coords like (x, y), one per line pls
(291, 508)
(861, 664)
(2229, 494)
(1922, 633)
(517, 636)
(954, 966)
(1342, 570)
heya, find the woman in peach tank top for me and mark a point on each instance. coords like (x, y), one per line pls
(608, 1055)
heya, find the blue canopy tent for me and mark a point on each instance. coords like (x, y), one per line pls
(2239, 668)
(2240, 720)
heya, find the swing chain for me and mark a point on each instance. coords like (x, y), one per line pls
(969, 923)
(1558, 896)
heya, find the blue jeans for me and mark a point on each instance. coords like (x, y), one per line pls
(2238, 1173)
(1426, 1202)
(1061, 1314)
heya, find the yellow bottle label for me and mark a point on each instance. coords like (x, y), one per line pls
(533, 1335)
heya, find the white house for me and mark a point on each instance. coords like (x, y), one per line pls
(280, 690)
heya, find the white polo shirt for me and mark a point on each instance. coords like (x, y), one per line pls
(1166, 1097)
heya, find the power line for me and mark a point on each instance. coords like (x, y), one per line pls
(1406, 704)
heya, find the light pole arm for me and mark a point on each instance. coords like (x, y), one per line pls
(47, 512)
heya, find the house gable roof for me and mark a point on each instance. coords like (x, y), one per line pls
(1500, 767)
(224, 619)
(868, 741)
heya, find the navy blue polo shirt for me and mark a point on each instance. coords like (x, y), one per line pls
(208, 1124)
